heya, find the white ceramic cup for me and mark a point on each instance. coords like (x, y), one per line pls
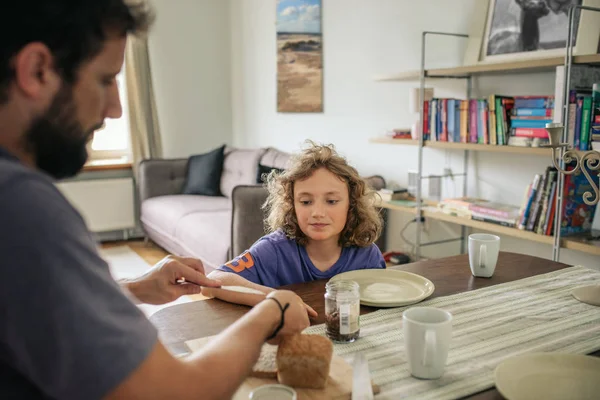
(273, 392)
(427, 336)
(483, 254)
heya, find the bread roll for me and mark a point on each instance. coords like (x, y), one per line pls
(303, 361)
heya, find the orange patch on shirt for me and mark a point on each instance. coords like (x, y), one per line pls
(241, 263)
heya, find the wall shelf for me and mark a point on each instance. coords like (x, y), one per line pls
(572, 243)
(489, 68)
(537, 151)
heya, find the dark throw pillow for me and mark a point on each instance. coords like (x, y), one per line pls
(204, 173)
(263, 171)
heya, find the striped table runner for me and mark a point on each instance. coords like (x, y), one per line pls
(536, 314)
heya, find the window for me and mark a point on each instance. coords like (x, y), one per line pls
(112, 142)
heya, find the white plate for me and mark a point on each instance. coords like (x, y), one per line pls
(549, 376)
(388, 287)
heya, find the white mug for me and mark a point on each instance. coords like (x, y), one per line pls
(427, 336)
(483, 254)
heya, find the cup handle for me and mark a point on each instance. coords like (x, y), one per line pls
(482, 255)
(429, 349)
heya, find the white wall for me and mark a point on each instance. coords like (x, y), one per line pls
(190, 58)
(362, 39)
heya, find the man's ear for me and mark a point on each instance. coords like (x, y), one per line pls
(35, 76)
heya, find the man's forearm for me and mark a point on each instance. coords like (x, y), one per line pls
(231, 356)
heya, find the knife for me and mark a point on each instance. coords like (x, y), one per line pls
(239, 289)
(361, 379)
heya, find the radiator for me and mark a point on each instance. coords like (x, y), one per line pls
(105, 204)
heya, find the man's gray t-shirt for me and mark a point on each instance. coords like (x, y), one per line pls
(67, 330)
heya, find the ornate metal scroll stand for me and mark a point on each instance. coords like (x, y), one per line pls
(591, 160)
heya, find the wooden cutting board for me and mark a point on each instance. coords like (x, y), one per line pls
(339, 385)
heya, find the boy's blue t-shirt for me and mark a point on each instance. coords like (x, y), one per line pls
(275, 260)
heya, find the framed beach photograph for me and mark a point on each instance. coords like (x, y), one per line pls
(299, 56)
(511, 30)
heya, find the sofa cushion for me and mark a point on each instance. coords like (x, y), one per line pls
(204, 173)
(206, 235)
(264, 171)
(275, 158)
(239, 168)
(167, 211)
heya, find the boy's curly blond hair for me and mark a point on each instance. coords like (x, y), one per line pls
(363, 224)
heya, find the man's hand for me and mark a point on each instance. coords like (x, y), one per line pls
(296, 315)
(159, 285)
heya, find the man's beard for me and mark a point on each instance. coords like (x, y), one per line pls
(57, 140)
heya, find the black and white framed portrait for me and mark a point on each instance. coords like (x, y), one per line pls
(530, 29)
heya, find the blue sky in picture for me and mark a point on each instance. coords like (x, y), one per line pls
(299, 16)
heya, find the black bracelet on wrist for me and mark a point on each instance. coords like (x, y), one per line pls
(281, 323)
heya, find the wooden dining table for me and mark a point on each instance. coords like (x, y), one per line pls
(451, 275)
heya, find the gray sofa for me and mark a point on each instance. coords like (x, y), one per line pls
(211, 228)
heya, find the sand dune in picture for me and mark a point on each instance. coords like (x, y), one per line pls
(299, 73)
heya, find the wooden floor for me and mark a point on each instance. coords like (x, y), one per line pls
(150, 252)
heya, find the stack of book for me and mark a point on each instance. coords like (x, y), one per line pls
(528, 120)
(495, 213)
(399, 134)
(459, 207)
(481, 210)
(538, 210)
(583, 104)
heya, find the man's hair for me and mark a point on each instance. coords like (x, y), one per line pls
(363, 224)
(74, 30)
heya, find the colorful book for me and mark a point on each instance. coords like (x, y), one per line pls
(524, 203)
(433, 121)
(586, 110)
(572, 117)
(541, 220)
(534, 101)
(497, 210)
(439, 120)
(577, 216)
(492, 119)
(444, 120)
(480, 135)
(541, 133)
(457, 121)
(530, 200)
(537, 203)
(532, 112)
(578, 110)
(451, 115)
(595, 129)
(543, 230)
(529, 123)
(473, 121)
(464, 121)
(550, 219)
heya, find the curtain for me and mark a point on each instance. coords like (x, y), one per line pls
(143, 120)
